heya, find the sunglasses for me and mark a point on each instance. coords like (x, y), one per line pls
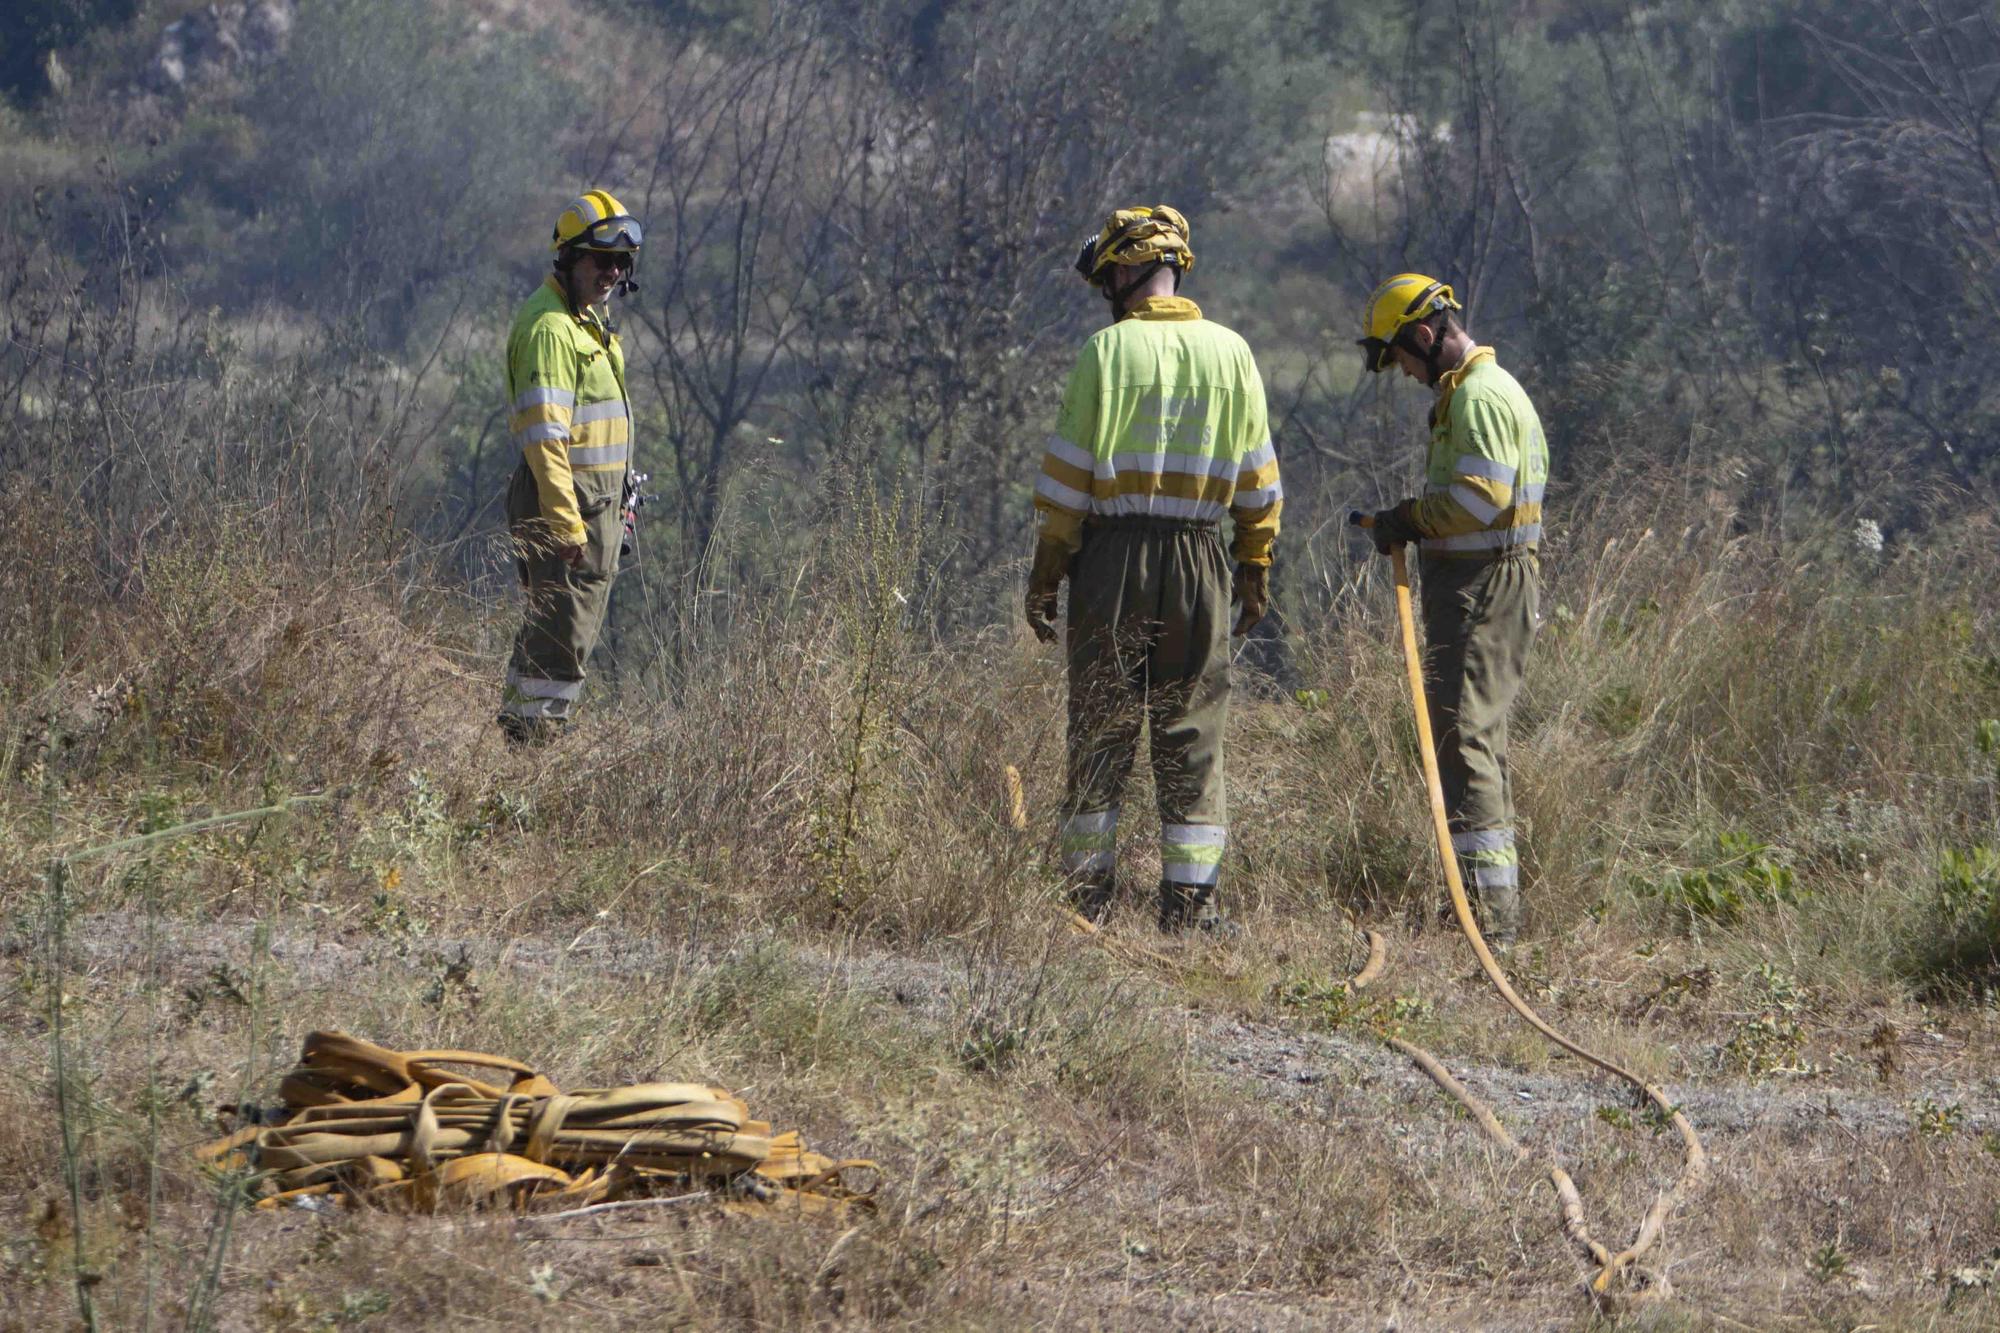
(617, 260)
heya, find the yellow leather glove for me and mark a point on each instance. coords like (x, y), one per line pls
(1393, 527)
(1044, 582)
(1253, 589)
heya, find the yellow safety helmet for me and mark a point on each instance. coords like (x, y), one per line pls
(1147, 234)
(1396, 304)
(596, 221)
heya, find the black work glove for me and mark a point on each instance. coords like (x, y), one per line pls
(1393, 527)
(1253, 589)
(1044, 583)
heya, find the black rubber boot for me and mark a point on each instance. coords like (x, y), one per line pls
(1091, 896)
(528, 731)
(1192, 907)
(1499, 913)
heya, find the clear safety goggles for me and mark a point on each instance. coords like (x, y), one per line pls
(620, 231)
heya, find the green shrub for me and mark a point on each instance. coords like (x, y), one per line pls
(1748, 874)
(31, 29)
(1960, 937)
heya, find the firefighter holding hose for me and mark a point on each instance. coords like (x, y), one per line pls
(1476, 528)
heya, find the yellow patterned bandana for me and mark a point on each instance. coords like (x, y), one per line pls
(1142, 235)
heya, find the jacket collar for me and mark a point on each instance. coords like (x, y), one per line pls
(1451, 379)
(1164, 307)
(588, 316)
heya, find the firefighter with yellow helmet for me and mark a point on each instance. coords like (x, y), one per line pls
(1162, 432)
(1477, 527)
(569, 416)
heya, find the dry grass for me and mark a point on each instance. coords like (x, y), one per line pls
(802, 884)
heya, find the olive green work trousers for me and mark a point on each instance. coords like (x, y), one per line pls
(1479, 623)
(565, 604)
(1148, 647)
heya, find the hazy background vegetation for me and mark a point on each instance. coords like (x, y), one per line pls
(1746, 249)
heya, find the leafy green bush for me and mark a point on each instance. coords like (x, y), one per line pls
(31, 29)
(1960, 939)
(1748, 874)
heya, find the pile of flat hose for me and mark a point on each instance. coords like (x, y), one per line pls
(398, 1129)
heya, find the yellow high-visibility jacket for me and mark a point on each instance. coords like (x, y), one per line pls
(566, 406)
(1488, 465)
(1164, 414)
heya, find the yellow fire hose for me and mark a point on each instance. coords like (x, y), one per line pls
(365, 1123)
(1694, 1171)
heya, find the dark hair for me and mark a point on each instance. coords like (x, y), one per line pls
(1439, 322)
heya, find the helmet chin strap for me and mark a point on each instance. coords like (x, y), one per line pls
(1120, 296)
(1433, 356)
(625, 285)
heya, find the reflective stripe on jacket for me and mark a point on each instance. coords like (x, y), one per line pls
(566, 402)
(1488, 465)
(1164, 414)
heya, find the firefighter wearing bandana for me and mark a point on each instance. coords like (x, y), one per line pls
(1161, 436)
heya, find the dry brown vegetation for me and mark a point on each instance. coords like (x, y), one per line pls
(800, 881)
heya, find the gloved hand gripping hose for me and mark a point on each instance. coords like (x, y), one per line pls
(1694, 1170)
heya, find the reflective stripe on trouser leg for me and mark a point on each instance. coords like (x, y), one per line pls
(1149, 646)
(1479, 622)
(1487, 858)
(1090, 842)
(534, 697)
(565, 605)
(1192, 853)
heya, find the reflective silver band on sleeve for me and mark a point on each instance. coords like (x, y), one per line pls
(542, 395)
(1258, 457)
(1474, 504)
(1068, 497)
(1492, 469)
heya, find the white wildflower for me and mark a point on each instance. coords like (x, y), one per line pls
(1868, 536)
